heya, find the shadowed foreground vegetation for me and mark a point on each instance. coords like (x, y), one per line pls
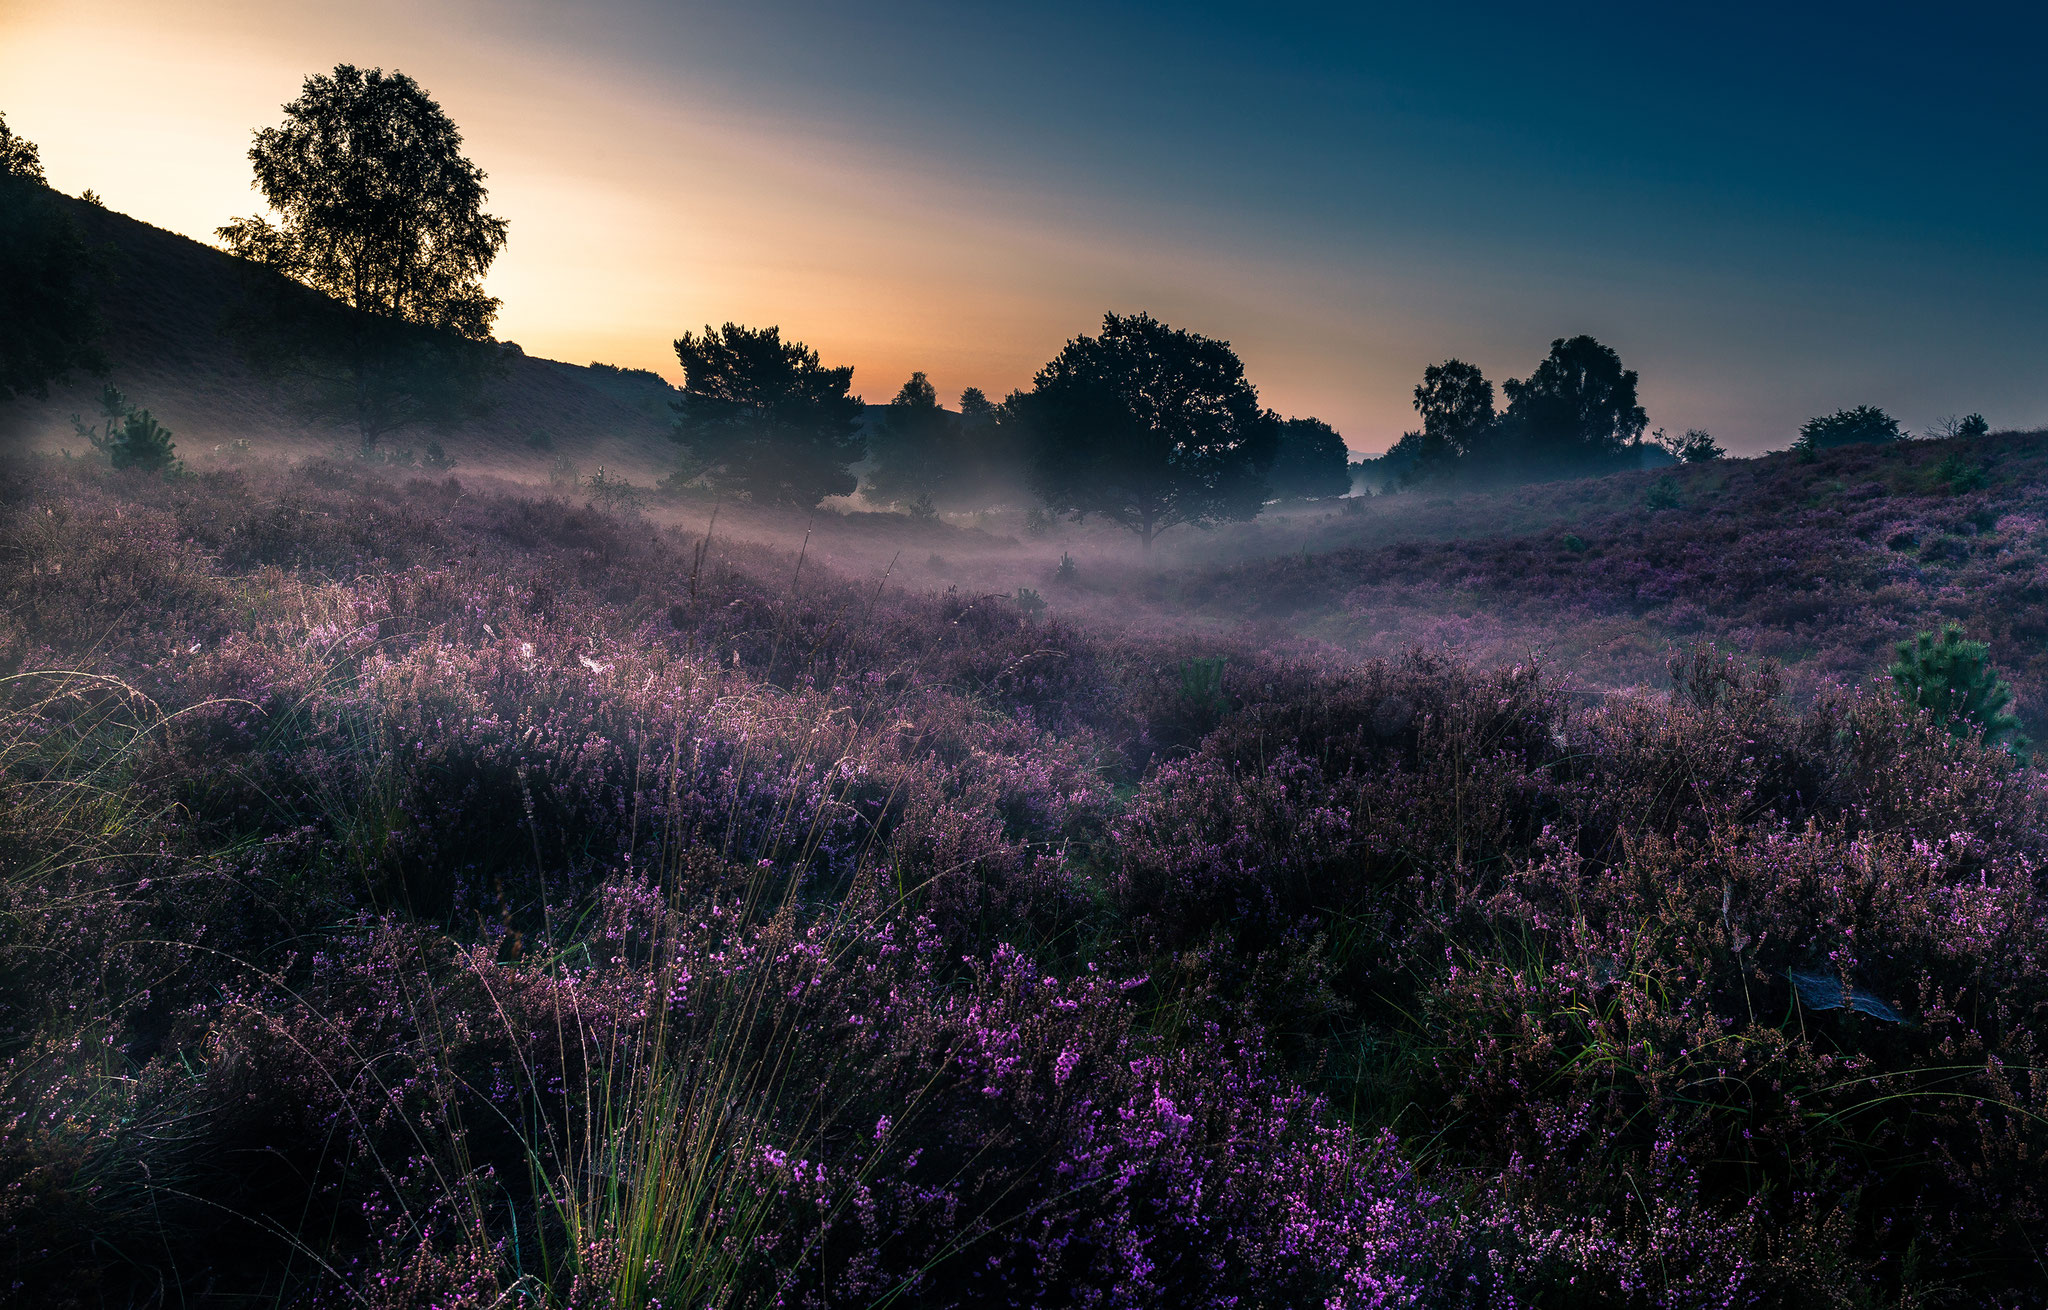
(417, 895)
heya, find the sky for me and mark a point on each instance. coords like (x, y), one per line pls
(1770, 212)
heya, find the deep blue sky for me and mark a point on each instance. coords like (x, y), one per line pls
(1769, 212)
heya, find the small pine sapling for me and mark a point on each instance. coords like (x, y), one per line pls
(1951, 676)
(127, 436)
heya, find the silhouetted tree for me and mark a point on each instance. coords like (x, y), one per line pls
(761, 417)
(379, 211)
(914, 446)
(1696, 446)
(49, 323)
(1309, 460)
(1847, 427)
(1578, 409)
(1951, 428)
(19, 158)
(1148, 426)
(975, 408)
(1456, 404)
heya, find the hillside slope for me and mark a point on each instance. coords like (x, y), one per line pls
(164, 299)
(1820, 565)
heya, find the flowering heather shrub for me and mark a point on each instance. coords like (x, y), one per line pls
(416, 896)
(1579, 929)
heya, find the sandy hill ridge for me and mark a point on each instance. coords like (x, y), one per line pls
(164, 299)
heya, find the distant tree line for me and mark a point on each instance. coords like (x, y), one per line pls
(1148, 426)
(367, 295)
(1577, 413)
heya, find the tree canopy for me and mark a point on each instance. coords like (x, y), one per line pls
(1309, 460)
(1150, 427)
(376, 205)
(976, 408)
(1848, 427)
(763, 418)
(19, 158)
(1456, 404)
(377, 210)
(1577, 409)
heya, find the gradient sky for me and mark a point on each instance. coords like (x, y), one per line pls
(1770, 212)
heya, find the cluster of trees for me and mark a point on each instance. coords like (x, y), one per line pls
(1146, 425)
(929, 458)
(1869, 425)
(1576, 413)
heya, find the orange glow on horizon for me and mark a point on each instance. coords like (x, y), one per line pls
(637, 214)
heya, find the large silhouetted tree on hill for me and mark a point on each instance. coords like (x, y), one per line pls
(763, 418)
(378, 210)
(49, 323)
(1150, 427)
(1309, 460)
(1577, 410)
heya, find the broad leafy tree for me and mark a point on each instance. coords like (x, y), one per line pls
(1309, 460)
(377, 209)
(49, 319)
(1456, 404)
(1150, 427)
(976, 409)
(763, 418)
(1578, 409)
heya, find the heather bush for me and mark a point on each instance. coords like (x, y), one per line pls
(1573, 936)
